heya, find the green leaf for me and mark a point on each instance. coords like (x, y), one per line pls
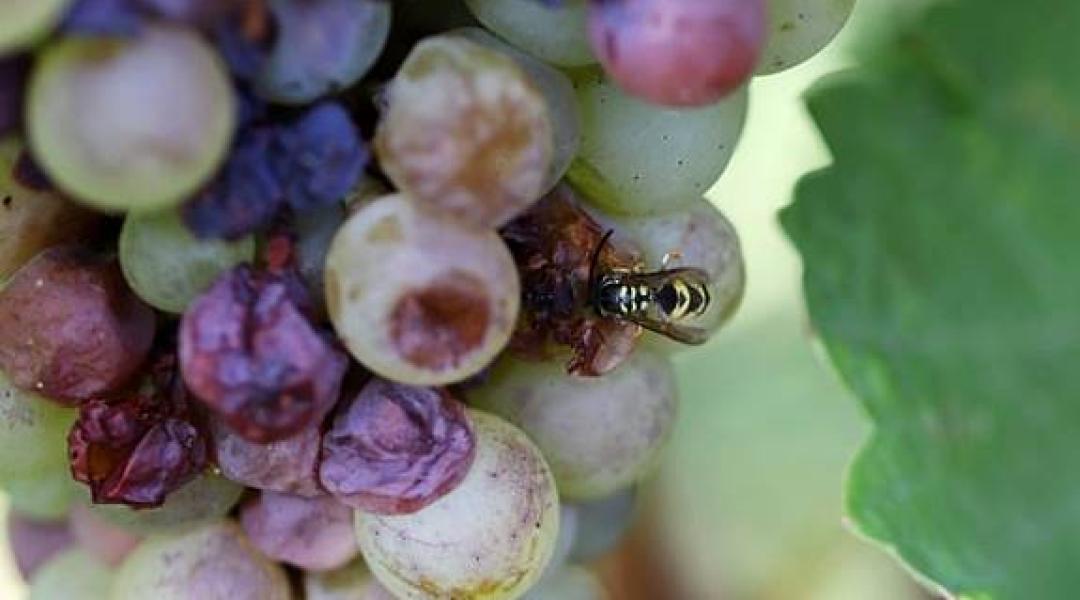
(942, 254)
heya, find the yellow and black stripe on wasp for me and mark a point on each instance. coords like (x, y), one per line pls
(661, 301)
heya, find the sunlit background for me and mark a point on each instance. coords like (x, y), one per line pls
(749, 501)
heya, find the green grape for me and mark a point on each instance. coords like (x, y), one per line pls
(601, 524)
(556, 34)
(34, 430)
(32, 220)
(599, 434)
(465, 132)
(488, 539)
(33, 434)
(73, 573)
(568, 583)
(48, 494)
(213, 561)
(131, 124)
(208, 498)
(352, 582)
(27, 21)
(417, 298)
(698, 236)
(557, 91)
(167, 266)
(799, 29)
(638, 159)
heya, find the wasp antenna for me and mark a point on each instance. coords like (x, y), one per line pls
(595, 259)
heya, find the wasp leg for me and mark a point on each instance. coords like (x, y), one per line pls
(670, 258)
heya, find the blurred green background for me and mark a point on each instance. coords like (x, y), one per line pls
(749, 501)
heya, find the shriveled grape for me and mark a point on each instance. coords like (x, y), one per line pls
(208, 498)
(212, 561)
(167, 266)
(418, 298)
(637, 158)
(33, 219)
(396, 448)
(311, 533)
(104, 540)
(74, 573)
(34, 542)
(465, 132)
(799, 29)
(321, 47)
(289, 465)
(490, 538)
(139, 447)
(598, 434)
(558, 91)
(69, 326)
(131, 124)
(554, 32)
(678, 52)
(251, 354)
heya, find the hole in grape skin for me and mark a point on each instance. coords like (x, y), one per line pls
(437, 326)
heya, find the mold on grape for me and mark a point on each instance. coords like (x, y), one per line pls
(435, 327)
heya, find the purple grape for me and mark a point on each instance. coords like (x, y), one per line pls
(70, 329)
(678, 52)
(246, 195)
(311, 533)
(320, 157)
(309, 163)
(34, 542)
(103, 17)
(288, 466)
(250, 353)
(395, 449)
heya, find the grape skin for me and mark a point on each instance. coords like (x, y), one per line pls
(639, 159)
(599, 434)
(105, 541)
(489, 539)
(311, 533)
(167, 266)
(799, 29)
(131, 125)
(602, 524)
(213, 561)
(352, 582)
(556, 34)
(33, 542)
(420, 299)
(568, 583)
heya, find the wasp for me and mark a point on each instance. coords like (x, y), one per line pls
(660, 301)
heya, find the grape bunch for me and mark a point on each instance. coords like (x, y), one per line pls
(344, 299)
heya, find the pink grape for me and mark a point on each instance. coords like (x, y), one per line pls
(678, 52)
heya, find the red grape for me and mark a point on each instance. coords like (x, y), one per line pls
(70, 329)
(311, 533)
(678, 52)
